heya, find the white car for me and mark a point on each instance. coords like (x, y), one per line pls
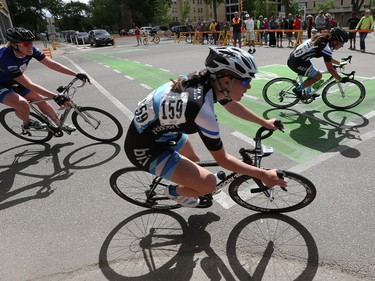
(145, 29)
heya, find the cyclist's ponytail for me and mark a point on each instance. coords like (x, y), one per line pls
(321, 38)
(193, 79)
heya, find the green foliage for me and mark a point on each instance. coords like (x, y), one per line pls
(325, 5)
(186, 11)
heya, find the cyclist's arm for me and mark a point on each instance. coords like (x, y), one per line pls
(332, 70)
(229, 162)
(54, 65)
(239, 110)
(27, 83)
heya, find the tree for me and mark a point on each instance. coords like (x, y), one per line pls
(186, 11)
(214, 4)
(31, 13)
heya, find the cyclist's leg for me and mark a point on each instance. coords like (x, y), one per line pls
(20, 104)
(44, 107)
(188, 151)
(313, 75)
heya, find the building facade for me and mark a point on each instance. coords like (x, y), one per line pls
(5, 20)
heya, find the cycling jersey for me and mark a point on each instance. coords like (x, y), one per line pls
(161, 122)
(12, 67)
(299, 59)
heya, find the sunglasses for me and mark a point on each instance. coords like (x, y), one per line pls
(245, 82)
(25, 44)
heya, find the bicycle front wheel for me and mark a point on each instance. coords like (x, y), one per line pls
(300, 193)
(278, 93)
(97, 124)
(134, 185)
(156, 39)
(12, 124)
(343, 95)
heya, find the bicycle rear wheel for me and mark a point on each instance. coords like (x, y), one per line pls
(97, 124)
(300, 193)
(343, 95)
(156, 39)
(12, 124)
(134, 185)
(278, 93)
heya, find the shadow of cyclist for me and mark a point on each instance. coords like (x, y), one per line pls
(321, 133)
(159, 245)
(18, 161)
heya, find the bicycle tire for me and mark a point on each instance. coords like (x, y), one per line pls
(156, 39)
(278, 93)
(145, 41)
(12, 124)
(353, 93)
(301, 192)
(108, 128)
(133, 184)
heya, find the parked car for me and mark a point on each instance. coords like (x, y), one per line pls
(131, 31)
(99, 37)
(146, 29)
(82, 38)
(123, 32)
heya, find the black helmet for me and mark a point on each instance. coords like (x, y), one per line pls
(339, 34)
(19, 34)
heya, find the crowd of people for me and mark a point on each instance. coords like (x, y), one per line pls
(259, 30)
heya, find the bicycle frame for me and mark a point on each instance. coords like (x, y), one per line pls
(64, 115)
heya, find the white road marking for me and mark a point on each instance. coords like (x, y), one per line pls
(146, 86)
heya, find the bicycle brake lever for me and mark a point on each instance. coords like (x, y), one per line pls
(61, 89)
(281, 175)
(279, 125)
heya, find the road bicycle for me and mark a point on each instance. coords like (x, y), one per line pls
(92, 122)
(146, 190)
(279, 91)
(153, 37)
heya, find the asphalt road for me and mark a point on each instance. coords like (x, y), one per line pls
(61, 221)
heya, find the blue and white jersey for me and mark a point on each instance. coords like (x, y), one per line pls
(12, 66)
(306, 51)
(164, 114)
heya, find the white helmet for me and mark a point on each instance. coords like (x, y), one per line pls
(231, 60)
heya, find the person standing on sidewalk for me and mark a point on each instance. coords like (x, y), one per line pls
(365, 23)
(16, 89)
(249, 26)
(352, 23)
(237, 25)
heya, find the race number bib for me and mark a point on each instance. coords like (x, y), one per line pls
(144, 113)
(172, 108)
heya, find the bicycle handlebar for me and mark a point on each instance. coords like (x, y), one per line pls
(259, 134)
(65, 89)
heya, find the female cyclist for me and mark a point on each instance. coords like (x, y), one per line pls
(16, 89)
(320, 46)
(157, 137)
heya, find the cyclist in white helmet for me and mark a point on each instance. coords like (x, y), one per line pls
(157, 139)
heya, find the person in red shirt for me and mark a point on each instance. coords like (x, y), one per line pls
(297, 25)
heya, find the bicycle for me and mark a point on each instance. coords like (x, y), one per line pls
(146, 190)
(279, 91)
(154, 38)
(92, 122)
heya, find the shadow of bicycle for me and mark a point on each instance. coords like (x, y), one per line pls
(322, 131)
(19, 161)
(157, 245)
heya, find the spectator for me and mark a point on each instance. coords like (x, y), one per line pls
(272, 26)
(249, 26)
(137, 34)
(259, 26)
(205, 30)
(365, 23)
(297, 24)
(225, 28)
(199, 26)
(237, 26)
(309, 25)
(352, 23)
(266, 26)
(279, 35)
(289, 26)
(320, 21)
